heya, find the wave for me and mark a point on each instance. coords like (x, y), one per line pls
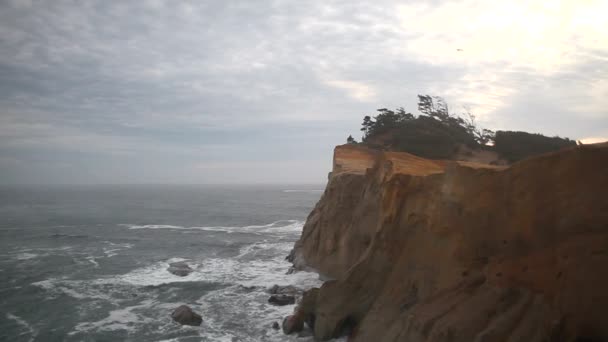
(151, 226)
(26, 256)
(68, 236)
(120, 319)
(30, 330)
(274, 227)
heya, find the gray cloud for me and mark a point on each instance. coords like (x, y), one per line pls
(199, 92)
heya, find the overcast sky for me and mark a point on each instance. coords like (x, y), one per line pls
(261, 91)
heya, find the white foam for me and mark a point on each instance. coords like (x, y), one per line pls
(274, 227)
(92, 260)
(79, 289)
(150, 226)
(259, 265)
(119, 319)
(25, 256)
(156, 274)
(30, 330)
(114, 248)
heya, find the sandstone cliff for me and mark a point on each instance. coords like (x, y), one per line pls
(425, 250)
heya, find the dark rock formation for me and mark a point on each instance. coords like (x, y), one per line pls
(284, 290)
(185, 316)
(179, 268)
(426, 250)
(275, 326)
(281, 300)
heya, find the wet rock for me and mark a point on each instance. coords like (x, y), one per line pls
(179, 268)
(307, 306)
(291, 256)
(284, 290)
(248, 288)
(291, 270)
(185, 316)
(281, 300)
(275, 326)
(292, 324)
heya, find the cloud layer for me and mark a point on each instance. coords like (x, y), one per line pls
(220, 92)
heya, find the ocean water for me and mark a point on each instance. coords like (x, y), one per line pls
(88, 263)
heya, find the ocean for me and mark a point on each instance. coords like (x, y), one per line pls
(89, 263)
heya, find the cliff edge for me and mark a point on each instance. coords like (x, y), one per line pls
(427, 250)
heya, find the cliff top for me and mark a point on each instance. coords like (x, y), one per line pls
(356, 159)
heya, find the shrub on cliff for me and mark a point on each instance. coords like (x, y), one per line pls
(438, 134)
(514, 146)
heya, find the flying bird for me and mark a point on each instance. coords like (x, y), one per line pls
(458, 49)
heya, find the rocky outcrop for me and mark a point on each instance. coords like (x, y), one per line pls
(179, 268)
(284, 290)
(425, 250)
(281, 300)
(185, 316)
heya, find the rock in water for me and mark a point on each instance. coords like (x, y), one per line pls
(275, 326)
(281, 300)
(185, 316)
(293, 323)
(179, 268)
(284, 290)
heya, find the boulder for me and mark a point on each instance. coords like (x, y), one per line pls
(185, 316)
(284, 290)
(292, 324)
(179, 268)
(281, 300)
(275, 326)
(306, 308)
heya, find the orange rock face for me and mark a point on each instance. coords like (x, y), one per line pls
(425, 250)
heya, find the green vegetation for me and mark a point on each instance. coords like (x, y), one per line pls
(439, 134)
(514, 146)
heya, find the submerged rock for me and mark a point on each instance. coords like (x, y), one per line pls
(281, 300)
(275, 326)
(304, 313)
(179, 268)
(185, 316)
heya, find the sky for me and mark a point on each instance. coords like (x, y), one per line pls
(163, 91)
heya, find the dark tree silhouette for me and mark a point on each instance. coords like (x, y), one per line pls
(366, 126)
(437, 133)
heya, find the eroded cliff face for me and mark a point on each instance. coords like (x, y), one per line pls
(427, 250)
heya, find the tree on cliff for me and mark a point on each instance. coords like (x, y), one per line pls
(434, 133)
(438, 133)
(350, 140)
(514, 146)
(367, 126)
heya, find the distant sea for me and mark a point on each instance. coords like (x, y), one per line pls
(88, 263)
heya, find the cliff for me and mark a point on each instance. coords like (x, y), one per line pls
(425, 250)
